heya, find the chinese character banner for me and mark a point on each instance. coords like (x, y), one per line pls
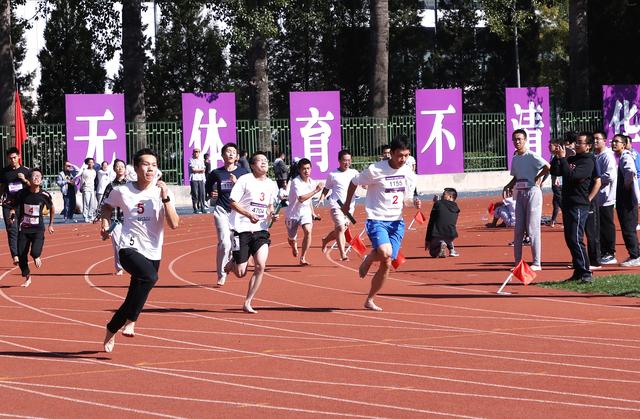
(208, 123)
(95, 127)
(315, 130)
(528, 109)
(439, 133)
(620, 111)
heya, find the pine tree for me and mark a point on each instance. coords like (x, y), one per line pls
(69, 61)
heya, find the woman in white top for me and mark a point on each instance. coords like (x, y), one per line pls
(252, 200)
(105, 176)
(145, 204)
(300, 211)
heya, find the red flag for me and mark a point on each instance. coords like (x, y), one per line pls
(21, 129)
(347, 236)
(523, 272)
(398, 261)
(491, 208)
(420, 218)
(358, 245)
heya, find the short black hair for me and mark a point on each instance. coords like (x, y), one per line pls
(302, 162)
(451, 192)
(343, 153)
(587, 135)
(400, 142)
(116, 161)
(86, 161)
(12, 150)
(570, 137)
(624, 138)
(32, 171)
(599, 131)
(252, 160)
(519, 131)
(143, 152)
(229, 145)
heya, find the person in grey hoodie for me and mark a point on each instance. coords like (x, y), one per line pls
(606, 198)
(627, 194)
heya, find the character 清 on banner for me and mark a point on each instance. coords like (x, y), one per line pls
(95, 127)
(528, 109)
(620, 111)
(439, 142)
(208, 123)
(315, 129)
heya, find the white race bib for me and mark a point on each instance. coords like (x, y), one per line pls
(15, 187)
(259, 210)
(394, 190)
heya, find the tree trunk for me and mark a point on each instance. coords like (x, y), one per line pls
(133, 58)
(379, 94)
(579, 97)
(7, 77)
(259, 100)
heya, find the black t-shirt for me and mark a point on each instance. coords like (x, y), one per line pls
(30, 205)
(13, 185)
(221, 178)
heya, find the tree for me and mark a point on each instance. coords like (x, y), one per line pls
(379, 95)
(189, 58)
(133, 60)
(69, 61)
(579, 55)
(7, 85)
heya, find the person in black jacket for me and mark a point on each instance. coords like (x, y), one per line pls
(577, 172)
(441, 230)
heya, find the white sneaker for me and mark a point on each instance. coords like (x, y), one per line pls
(591, 268)
(222, 280)
(536, 267)
(631, 262)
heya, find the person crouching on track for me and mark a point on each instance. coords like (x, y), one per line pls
(441, 230)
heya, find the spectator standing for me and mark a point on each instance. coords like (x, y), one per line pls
(197, 177)
(243, 160)
(627, 194)
(67, 182)
(88, 189)
(606, 198)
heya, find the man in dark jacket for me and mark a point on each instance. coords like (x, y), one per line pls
(441, 230)
(577, 172)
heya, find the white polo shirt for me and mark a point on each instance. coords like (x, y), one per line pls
(338, 182)
(297, 210)
(255, 195)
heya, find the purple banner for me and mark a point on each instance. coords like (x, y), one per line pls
(208, 123)
(315, 130)
(528, 109)
(620, 105)
(95, 128)
(439, 133)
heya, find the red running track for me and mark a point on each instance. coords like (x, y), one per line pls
(445, 344)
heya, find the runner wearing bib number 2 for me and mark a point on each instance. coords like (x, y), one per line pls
(145, 204)
(389, 184)
(252, 200)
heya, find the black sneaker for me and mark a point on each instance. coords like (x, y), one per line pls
(586, 279)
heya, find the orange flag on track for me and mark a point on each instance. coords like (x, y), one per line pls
(523, 272)
(420, 218)
(358, 245)
(347, 236)
(492, 207)
(21, 129)
(398, 261)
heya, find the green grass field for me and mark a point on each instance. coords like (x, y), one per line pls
(619, 285)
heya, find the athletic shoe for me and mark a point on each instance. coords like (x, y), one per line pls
(222, 280)
(608, 260)
(453, 253)
(443, 249)
(536, 267)
(586, 279)
(631, 262)
(592, 267)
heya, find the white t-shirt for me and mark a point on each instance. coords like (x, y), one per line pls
(387, 189)
(87, 177)
(143, 224)
(104, 178)
(296, 210)
(411, 161)
(255, 195)
(197, 164)
(339, 182)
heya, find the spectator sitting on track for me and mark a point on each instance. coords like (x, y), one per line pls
(505, 212)
(441, 230)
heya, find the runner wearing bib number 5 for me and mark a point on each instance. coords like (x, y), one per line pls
(252, 200)
(389, 184)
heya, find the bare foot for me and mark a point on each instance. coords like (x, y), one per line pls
(119, 272)
(128, 330)
(228, 267)
(303, 262)
(325, 242)
(364, 266)
(16, 260)
(109, 341)
(246, 307)
(294, 248)
(38, 262)
(370, 305)
(27, 282)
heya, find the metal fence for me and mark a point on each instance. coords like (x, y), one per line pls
(484, 139)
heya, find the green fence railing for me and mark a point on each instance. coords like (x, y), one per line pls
(484, 139)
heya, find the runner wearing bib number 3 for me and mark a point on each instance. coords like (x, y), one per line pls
(252, 200)
(145, 204)
(389, 184)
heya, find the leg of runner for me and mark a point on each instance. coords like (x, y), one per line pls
(260, 259)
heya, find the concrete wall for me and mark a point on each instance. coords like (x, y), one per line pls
(427, 184)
